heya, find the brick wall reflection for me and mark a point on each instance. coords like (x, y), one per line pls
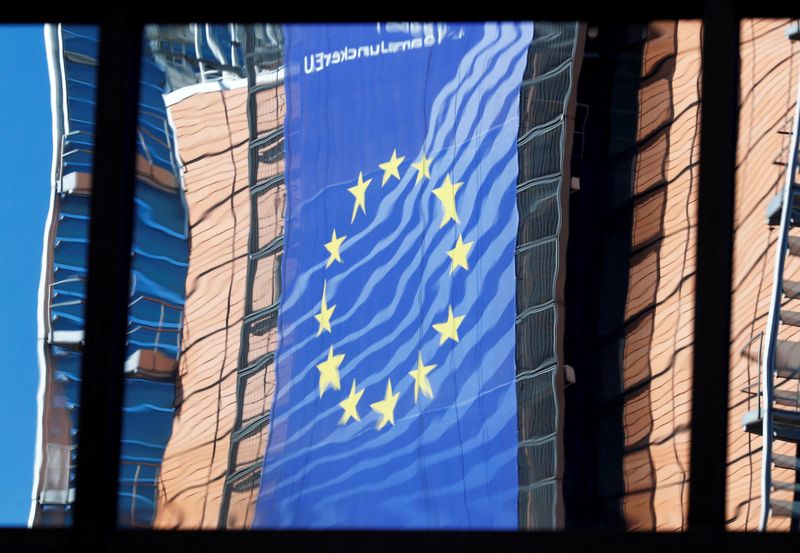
(212, 135)
(659, 312)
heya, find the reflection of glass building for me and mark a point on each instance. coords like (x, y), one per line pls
(608, 153)
(159, 258)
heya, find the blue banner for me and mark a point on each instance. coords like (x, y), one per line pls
(396, 403)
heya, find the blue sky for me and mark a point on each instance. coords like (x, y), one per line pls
(25, 157)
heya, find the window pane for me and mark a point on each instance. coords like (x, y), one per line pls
(585, 275)
(222, 96)
(159, 263)
(630, 277)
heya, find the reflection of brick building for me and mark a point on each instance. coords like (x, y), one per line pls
(630, 292)
(230, 138)
(659, 311)
(215, 186)
(770, 67)
(225, 371)
(629, 330)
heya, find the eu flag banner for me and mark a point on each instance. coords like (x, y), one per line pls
(396, 404)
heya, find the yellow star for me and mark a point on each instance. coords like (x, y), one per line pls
(459, 254)
(324, 315)
(391, 168)
(333, 248)
(449, 328)
(359, 192)
(447, 195)
(386, 406)
(329, 372)
(423, 168)
(349, 404)
(420, 376)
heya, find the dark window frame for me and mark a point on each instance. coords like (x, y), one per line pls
(109, 268)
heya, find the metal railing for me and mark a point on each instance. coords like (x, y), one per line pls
(62, 154)
(50, 298)
(773, 321)
(746, 348)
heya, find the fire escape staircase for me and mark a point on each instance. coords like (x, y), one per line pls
(777, 417)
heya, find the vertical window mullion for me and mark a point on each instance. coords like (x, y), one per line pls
(719, 119)
(109, 266)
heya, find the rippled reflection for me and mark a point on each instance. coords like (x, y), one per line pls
(604, 155)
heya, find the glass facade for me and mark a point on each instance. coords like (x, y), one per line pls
(159, 260)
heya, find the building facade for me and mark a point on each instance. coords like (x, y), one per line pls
(608, 173)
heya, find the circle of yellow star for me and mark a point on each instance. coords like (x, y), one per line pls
(459, 254)
(447, 196)
(329, 372)
(423, 167)
(449, 328)
(420, 376)
(333, 249)
(359, 191)
(349, 404)
(391, 168)
(385, 407)
(325, 312)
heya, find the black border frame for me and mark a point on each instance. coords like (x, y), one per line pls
(110, 236)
